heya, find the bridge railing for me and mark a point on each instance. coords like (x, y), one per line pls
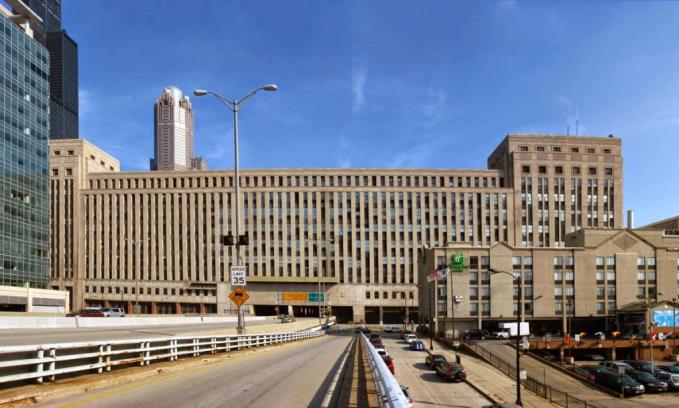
(45, 361)
(390, 393)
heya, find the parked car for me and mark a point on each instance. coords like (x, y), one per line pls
(619, 383)
(648, 380)
(500, 334)
(417, 345)
(451, 372)
(374, 336)
(405, 334)
(433, 360)
(410, 338)
(113, 312)
(674, 369)
(615, 365)
(381, 351)
(393, 329)
(592, 357)
(389, 362)
(477, 334)
(287, 319)
(582, 372)
(593, 370)
(87, 312)
(639, 365)
(672, 380)
(407, 395)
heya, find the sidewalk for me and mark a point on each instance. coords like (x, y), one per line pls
(492, 381)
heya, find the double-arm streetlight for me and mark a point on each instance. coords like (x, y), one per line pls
(517, 278)
(234, 106)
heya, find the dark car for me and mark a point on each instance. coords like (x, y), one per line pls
(451, 372)
(417, 345)
(648, 380)
(619, 383)
(672, 380)
(674, 369)
(640, 365)
(583, 372)
(592, 357)
(477, 334)
(389, 362)
(377, 342)
(433, 360)
(373, 336)
(593, 370)
(87, 312)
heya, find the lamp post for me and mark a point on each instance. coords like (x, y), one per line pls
(517, 278)
(674, 323)
(234, 106)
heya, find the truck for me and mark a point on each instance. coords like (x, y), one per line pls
(511, 327)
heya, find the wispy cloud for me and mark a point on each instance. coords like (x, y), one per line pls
(358, 78)
(433, 107)
(85, 101)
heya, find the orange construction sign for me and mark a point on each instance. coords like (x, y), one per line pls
(239, 296)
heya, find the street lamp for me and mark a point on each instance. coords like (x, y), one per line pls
(517, 278)
(674, 323)
(234, 106)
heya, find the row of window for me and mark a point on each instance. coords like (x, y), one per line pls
(149, 291)
(385, 294)
(575, 170)
(560, 149)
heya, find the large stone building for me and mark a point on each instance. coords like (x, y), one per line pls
(154, 238)
(582, 285)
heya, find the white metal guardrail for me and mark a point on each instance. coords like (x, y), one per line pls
(390, 393)
(45, 361)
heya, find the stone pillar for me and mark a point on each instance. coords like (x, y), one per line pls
(29, 300)
(130, 307)
(107, 303)
(178, 308)
(359, 313)
(381, 316)
(202, 308)
(291, 311)
(223, 301)
(154, 308)
(613, 354)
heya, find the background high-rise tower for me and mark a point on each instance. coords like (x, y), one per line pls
(173, 131)
(63, 50)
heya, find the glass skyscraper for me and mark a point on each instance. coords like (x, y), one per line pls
(24, 132)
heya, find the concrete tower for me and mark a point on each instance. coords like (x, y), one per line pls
(173, 130)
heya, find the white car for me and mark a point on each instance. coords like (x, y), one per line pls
(410, 338)
(502, 334)
(113, 312)
(381, 351)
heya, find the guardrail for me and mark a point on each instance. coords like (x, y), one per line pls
(45, 361)
(543, 390)
(390, 393)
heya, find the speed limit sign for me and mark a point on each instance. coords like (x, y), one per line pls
(238, 275)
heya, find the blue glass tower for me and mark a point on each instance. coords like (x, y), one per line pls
(24, 133)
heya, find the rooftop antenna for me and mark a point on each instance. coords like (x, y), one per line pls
(577, 125)
(568, 130)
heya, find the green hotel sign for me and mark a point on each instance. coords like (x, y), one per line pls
(457, 263)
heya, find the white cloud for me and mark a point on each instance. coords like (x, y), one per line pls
(358, 78)
(434, 106)
(85, 102)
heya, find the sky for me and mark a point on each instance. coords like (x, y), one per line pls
(434, 84)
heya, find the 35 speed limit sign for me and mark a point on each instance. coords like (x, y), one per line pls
(238, 276)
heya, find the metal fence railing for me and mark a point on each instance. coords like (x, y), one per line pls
(530, 383)
(390, 393)
(45, 361)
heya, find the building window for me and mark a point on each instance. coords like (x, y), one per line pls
(576, 171)
(600, 292)
(600, 276)
(525, 169)
(523, 148)
(600, 308)
(516, 261)
(528, 276)
(570, 276)
(558, 262)
(558, 170)
(590, 150)
(55, 172)
(600, 261)
(591, 171)
(71, 152)
(610, 276)
(608, 171)
(569, 262)
(556, 149)
(542, 169)
(650, 261)
(641, 292)
(558, 276)
(610, 262)
(473, 278)
(377, 294)
(69, 172)
(57, 153)
(367, 294)
(651, 276)
(607, 151)
(528, 260)
(575, 150)
(640, 261)
(558, 292)
(540, 148)
(641, 276)
(558, 308)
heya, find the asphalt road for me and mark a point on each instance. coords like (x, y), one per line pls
(293, 375)
(426, 389)
(9, 337)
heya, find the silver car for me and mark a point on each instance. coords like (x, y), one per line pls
(113, 312)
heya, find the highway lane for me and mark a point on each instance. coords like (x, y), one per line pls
(10, 337)
(292, 375)
(425, 388)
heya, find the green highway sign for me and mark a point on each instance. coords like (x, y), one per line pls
(316, 297)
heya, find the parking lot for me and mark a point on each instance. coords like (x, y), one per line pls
(425, 388)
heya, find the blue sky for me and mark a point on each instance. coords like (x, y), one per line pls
(388, 83)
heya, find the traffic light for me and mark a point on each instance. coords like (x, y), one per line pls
(243, 240)
(228, 240)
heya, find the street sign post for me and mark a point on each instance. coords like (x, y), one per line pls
(316, 297)
(238, 275)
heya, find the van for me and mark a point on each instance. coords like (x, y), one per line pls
(113, 312)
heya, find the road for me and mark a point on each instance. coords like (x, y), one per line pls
(292, 375)
(10, 337)
(574, 387)
(425, 388)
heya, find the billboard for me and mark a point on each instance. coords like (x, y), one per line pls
(663, 317)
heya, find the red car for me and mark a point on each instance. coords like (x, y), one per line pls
(389, 362)
(87, 312)
(377, 342)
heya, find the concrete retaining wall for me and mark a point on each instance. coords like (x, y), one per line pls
(34, 322)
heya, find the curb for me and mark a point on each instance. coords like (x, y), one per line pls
(482, 392)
